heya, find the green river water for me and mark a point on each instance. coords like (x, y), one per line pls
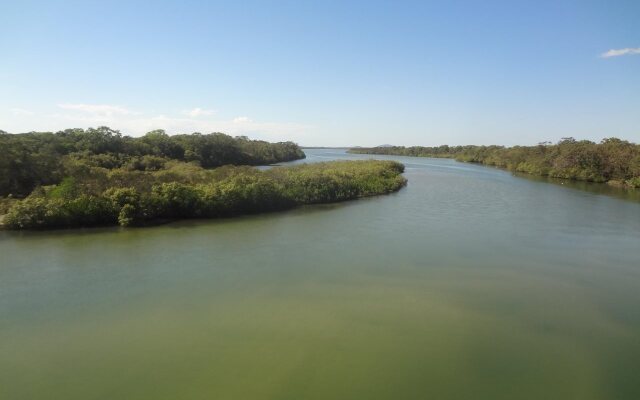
(470, 283)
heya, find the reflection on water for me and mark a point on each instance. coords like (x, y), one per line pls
(597, 188)
(469, 283)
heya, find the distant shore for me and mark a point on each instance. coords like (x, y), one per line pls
(612, 161)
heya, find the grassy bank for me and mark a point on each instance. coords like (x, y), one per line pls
(97, 196)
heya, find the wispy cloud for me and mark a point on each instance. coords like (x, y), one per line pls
(103, 110)
(198, 112)
(620, 52)
(21, 112)
(137, 123)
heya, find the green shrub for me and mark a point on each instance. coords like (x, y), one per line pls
(234, 190)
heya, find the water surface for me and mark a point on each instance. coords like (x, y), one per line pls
(470, 283)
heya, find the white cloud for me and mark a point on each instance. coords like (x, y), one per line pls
(198, 112)
(620, 52)
(102, 110)
(21, 112)
(139, 123)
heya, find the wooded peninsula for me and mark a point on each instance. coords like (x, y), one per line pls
(613, 161)
(95, 177)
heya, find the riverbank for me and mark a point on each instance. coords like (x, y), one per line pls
(612, 161)
(198, 193)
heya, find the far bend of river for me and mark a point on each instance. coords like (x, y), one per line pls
(470, 283)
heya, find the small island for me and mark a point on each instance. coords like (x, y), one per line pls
(98, 177)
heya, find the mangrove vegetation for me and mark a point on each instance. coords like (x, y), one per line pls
(35, 159)
(100, 178)
(614, 161)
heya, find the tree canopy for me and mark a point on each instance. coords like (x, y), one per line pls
(42, 158)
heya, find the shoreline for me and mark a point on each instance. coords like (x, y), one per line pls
(244, 192)
(613, 183)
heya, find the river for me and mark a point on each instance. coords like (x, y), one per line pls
(470, 283)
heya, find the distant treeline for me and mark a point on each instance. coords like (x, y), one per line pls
(612, 160)
(93, 195)
(29, 160)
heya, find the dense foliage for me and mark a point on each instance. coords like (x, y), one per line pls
(33, 159)
(94, 195)
(612, 160)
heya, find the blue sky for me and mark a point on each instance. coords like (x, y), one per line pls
(326, 73)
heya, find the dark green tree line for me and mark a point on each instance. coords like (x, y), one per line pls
(41, 158)
(612, 160)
